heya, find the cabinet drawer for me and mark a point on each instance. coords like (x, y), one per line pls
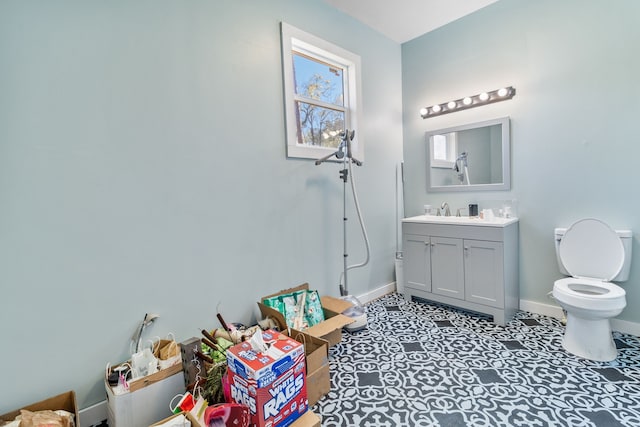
(495, 234)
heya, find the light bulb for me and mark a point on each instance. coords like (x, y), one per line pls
(451, 105)
(436, 108)
(483, 96)
(502, 92)
(466, 101)
(423, 111)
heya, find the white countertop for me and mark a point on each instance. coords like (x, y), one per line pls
(461, 220)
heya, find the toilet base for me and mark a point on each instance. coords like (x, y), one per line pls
(589, 338)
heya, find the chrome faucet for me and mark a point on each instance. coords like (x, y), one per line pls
(445, 206)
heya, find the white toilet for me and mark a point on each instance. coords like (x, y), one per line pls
(594, 255)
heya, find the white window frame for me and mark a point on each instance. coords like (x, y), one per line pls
(294, 39)
(451, 148)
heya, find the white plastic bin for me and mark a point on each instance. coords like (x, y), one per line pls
(145, 405)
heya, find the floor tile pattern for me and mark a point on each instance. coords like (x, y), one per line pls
(425, 364)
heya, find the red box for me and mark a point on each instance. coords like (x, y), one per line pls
(272, 384)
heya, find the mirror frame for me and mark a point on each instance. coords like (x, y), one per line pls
(506, 157)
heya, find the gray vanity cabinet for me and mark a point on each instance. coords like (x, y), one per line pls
(474, 267)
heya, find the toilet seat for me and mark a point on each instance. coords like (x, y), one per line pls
(591, 249)
(589, 293)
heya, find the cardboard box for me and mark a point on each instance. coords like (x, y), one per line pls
(65, 401)
(335, 304)
(308, 419)
(318, 384)
(191, 418)
(316, 349)
(330, 329)
(317, 356)
(139, 383)
(147, 400)
(272, 384)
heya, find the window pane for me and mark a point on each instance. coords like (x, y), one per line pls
(319, 126)
(440, 147)
(318, 80)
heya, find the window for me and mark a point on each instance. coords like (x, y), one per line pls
(444, 150)
(321, 92)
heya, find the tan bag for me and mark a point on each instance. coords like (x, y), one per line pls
(167, 351)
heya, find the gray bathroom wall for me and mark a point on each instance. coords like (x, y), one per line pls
(143, 170)
(477, 144)
(574, 118)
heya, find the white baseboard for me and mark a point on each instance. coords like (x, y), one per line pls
(94, 415)
(550, 310)
(626, 327)
(377, 293)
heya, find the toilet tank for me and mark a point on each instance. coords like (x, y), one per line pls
(626, 236)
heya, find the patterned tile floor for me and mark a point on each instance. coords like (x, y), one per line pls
(423, 364)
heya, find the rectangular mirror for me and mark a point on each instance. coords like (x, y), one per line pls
(472, 157)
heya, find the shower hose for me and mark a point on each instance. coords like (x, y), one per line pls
(343, 288)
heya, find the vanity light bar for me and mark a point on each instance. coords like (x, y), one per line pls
(483, 98)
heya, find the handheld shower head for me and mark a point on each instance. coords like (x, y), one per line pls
(462, 158)
(149, 318)
(460, 165)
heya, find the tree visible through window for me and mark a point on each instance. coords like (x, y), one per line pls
(321, 94)
(320, 110)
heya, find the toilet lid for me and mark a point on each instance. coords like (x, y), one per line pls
(590, 248)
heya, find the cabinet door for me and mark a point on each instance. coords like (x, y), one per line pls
(484, 278)
(447, 271)
(416, 262)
